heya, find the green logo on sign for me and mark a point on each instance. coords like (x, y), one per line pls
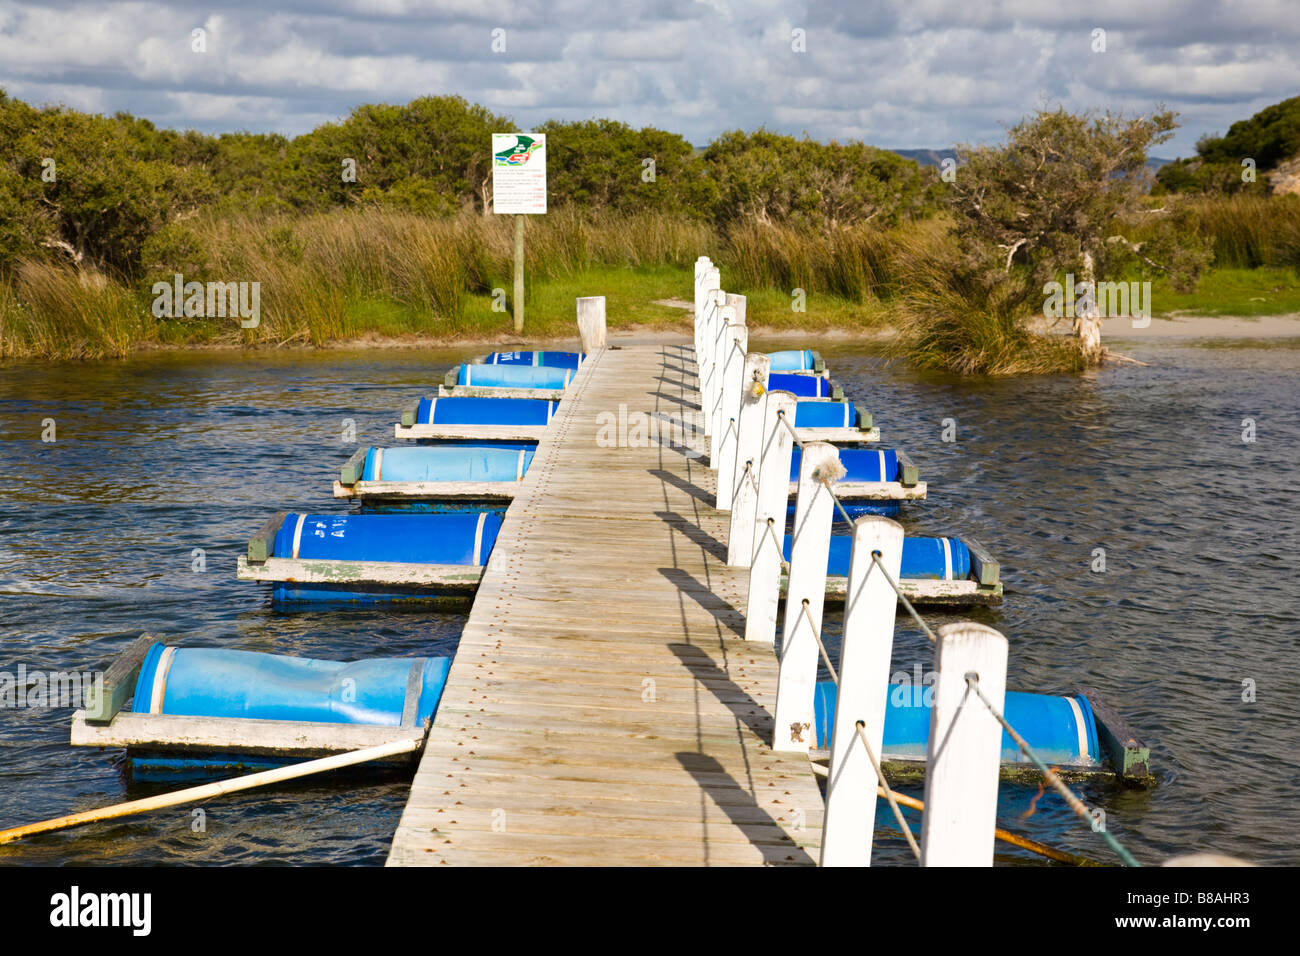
(519, 153)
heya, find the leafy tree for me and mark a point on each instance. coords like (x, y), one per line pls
(112, 184)
(770, 177)
(1054, 198)
(441, 141)
(601, 164)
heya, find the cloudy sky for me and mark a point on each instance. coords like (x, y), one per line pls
(920, 73)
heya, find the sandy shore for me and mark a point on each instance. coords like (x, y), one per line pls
(1119, 330)
(1204, 327)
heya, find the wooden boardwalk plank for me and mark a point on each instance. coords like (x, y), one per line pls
(602, 708)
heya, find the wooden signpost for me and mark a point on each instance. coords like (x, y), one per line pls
(519, 189)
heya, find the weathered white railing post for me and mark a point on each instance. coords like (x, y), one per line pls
(722, 353)
(737, 302)
(723, 458)
(769, 518)
(749, 446)
(591, 322)
(862, 695)
(796, 686)
(965, 748)
(719, 316)
(709, 281)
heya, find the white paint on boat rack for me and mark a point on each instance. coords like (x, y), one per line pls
(930, 591)
(873, 490)
(473, 432)
(428, 490)
(205, 735)
(498, 391)
(842, 435)
(320, 571)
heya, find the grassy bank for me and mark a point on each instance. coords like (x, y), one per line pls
(381, 273)
(374, 272)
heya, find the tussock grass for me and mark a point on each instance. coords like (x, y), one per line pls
(949, 322)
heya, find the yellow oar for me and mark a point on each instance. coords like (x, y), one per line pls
(1006, 836)
(217, 789)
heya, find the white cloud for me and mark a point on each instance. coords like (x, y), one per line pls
(908, 73)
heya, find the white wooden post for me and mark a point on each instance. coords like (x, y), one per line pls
(796, 686)
(710, 282)
(965, 748)
(591, 322)
(737, 302)
(723, 458)
(718, 319)
(769, 518)
(702, 267)
(749, 445)
(721, 354)
(862, 695)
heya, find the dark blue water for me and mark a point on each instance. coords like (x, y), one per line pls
(156, 457)
(1200, 531)
(161, 455)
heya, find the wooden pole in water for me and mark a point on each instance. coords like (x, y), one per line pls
(207, 790)
(796, 685)
(965, 748)
(519, 274)
(862, 695)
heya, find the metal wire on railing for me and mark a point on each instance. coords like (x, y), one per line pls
(972, 681)
(1074, 803)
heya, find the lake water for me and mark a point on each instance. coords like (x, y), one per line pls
(164, 454)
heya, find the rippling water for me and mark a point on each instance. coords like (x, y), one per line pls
(164, 454)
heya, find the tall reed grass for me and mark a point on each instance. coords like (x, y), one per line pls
(950, 322)
(1245, 232)
(56, 311)
(345, 273)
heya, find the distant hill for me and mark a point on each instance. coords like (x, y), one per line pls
(1271, 138)
(935, 157)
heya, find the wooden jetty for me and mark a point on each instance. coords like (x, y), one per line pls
(603, 706)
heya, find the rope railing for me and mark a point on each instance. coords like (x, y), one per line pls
(1076, 805)
(957, 803)
(861, 735)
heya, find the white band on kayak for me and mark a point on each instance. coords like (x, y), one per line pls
(159, 690)
(1078, 726)
(478, 536)
(519, 467)
(469, 375)
(432, 402)
(379, 464)
(883, 475)
(947, 559)
(297, 536)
